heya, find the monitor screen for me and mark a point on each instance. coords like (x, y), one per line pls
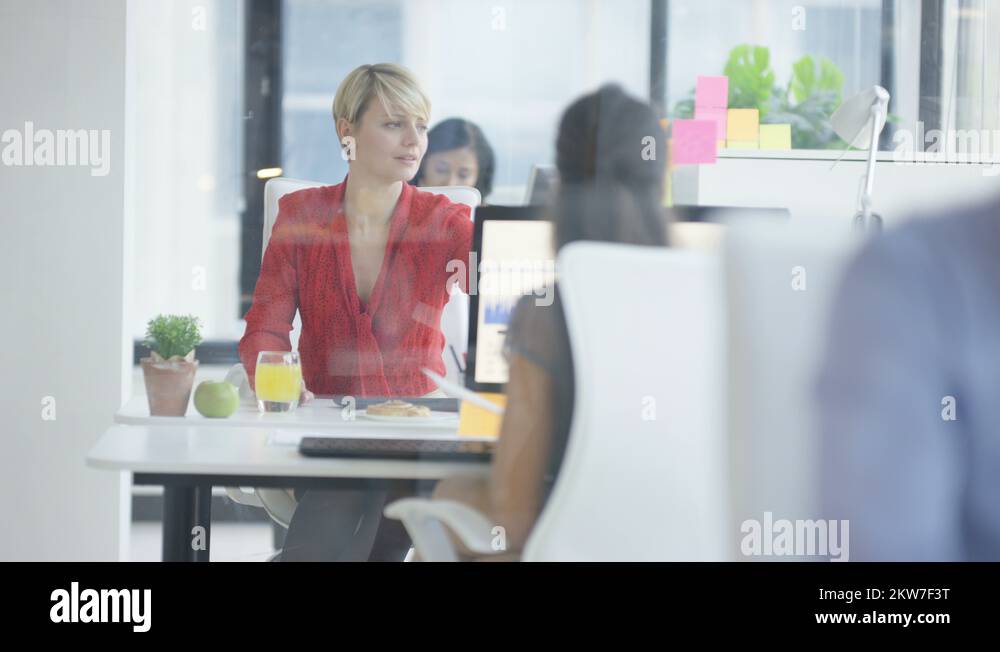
(543, 182)
(515, 259)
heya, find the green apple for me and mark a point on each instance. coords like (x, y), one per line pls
(216, 399)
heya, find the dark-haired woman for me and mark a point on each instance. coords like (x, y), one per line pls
(609, 191)
(458, 154)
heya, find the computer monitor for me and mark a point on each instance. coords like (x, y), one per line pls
(543, 181)
(514, 256)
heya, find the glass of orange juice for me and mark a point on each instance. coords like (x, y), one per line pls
(278, 381)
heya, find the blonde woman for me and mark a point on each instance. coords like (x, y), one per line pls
(365, 262)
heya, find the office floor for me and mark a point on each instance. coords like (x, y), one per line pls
(230, 541)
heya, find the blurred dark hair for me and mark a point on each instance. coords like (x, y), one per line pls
(457, 133)
(610, 188)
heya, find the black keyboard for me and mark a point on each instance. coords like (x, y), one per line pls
(403, 449)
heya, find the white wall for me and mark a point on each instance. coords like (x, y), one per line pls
(61, 67)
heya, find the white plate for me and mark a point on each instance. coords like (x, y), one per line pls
(435, 417)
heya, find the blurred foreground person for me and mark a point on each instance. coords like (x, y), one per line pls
(909, 395)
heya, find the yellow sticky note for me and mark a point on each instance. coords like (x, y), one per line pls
(478, 421)
(743, 125)
(776, 136)
(743, 144)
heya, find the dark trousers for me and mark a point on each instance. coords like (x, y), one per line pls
(348, 525)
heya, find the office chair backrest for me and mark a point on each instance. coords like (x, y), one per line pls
(454, 319)
(780, 282)
(644, 474)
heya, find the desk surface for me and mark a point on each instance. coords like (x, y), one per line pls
(318, 414)
(250, 443)
(256, 451)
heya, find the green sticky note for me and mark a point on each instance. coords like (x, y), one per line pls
(778, 136)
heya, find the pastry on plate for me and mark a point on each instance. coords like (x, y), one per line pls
(396, 408)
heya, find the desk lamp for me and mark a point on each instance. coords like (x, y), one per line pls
(859, 121)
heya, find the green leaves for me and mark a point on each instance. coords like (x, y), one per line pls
(171, 335)
(817, 93)
(814, 92)
(751, 80)
(684, 110)
(807, 82)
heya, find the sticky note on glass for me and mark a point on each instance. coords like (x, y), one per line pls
(776, 136)
(743, 125)
(719, 116)
(694, 142)
(475, 420)
(711, 93)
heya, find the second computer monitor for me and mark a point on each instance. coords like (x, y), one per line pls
(543, 181)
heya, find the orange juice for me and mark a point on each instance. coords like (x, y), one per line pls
(279, 383)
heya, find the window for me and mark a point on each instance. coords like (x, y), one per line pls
(839, 43)
(510, 67)
(187, 162)
(227, 87)
(931, 55)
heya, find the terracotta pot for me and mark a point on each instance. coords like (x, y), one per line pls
(168, 385)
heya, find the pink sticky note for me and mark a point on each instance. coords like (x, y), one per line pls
(719, 116)
(694, 142)
(712, 93)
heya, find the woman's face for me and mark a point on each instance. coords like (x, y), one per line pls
(454, 167)
(386, 147)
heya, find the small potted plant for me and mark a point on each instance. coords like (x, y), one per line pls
(169, 370)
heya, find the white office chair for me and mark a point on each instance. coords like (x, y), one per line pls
(781, 279)
(644, 474)
(280, 504)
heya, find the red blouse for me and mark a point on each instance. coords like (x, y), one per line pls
(347, 347)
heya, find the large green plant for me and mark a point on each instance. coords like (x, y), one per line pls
(813, 93)
(751, 80)
(808, 79)
(170, 335)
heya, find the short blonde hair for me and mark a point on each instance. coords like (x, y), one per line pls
(393, 85)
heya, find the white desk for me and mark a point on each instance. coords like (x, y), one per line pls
(321, 413)
(189, 455)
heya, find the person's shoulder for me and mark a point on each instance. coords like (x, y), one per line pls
(309, 204)
(537, 331)
(932, 242)
(434, 208)
(923, 270)
(533, 312)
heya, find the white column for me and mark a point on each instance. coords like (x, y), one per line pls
(62, 66)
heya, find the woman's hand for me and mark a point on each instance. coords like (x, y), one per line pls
(305, 396)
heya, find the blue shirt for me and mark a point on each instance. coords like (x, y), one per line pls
(909, 393)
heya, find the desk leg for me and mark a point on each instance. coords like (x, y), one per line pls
(184, 508)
